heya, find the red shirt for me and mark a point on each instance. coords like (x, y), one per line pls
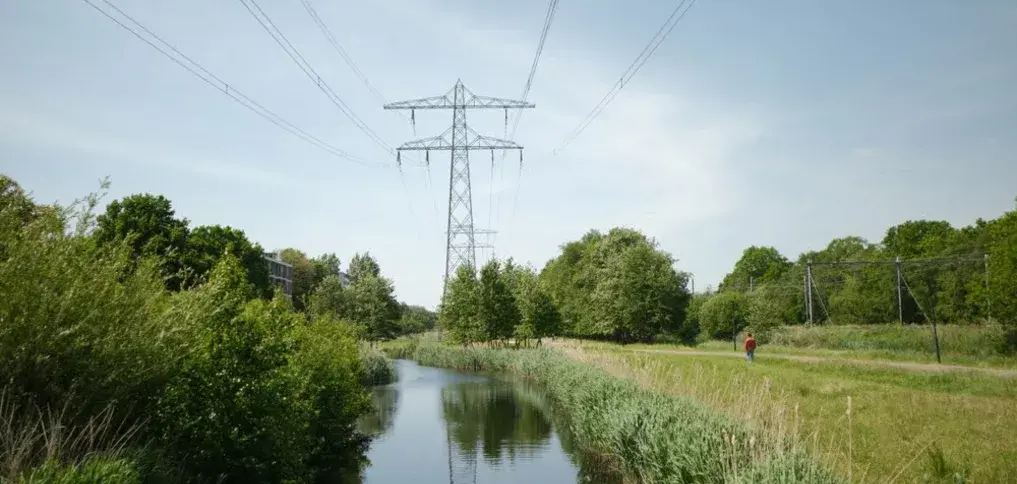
(750, 344)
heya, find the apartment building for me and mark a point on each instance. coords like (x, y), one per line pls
(280, 273)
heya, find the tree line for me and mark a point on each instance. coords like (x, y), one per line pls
(947, 275)
(134, 348)
(148, 224)
(619, 285)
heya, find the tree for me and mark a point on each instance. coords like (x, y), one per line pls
(640, 294)
(724, 315)
(760, 265)
(303, 275)
(362, 265)
(499, 314)
(1003, 268)
(459, 315)
(207, 244)
(370, 302)
(325, 265)
(149, 225)
(328, 298)
(416, 319)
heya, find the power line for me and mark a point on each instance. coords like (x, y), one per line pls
(672, 21)
(294, 54)
(342, 53)
(548, 19)
(216, 82)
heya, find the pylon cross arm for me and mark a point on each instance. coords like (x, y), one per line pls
(474, 141)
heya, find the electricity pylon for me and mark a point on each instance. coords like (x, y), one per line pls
(460, 139)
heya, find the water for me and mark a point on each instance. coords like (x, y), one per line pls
(442, 426)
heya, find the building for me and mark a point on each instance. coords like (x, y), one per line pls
(345, 279)
(280, 273)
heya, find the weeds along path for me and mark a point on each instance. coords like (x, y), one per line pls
(905, 365)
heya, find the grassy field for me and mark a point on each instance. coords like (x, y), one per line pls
(874, 424)
(975, 345)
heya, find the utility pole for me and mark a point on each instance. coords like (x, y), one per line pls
(460, 139)
(808, 289)
(900, 298)
(988, 297)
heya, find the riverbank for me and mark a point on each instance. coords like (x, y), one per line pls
(650, 437)
(906, 424)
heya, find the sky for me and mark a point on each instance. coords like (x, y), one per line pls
(781, 123)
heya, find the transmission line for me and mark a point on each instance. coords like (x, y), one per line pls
(199, 71)
(266, 23)
(548, 18)
(342, 53)
(672, 21)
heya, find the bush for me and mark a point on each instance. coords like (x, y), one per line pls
(723, 315)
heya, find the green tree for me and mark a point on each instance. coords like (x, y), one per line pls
(639, 294)
(760, 265)
(325, 265)
(303, 275)
(499, 315)
(362, 265)
(149, 225)
(459, 314)
(1003, 268)
(724, 315)
(416, 319)
(207, 244)
(370, 302)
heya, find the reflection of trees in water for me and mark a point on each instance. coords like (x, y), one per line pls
(489, 415)
(385, 400)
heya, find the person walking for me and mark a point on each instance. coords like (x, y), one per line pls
(750, 348)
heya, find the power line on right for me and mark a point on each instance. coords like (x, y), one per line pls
(672, 21)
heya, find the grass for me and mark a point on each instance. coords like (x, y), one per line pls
(905, 426)
(378, 369)
(648, 436)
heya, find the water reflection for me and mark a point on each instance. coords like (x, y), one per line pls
(439, 426)
(385, 400)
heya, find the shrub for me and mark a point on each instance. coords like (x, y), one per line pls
(378, 369)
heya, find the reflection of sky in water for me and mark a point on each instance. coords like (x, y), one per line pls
(415, 449)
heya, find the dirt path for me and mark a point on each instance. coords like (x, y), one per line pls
(911, 366)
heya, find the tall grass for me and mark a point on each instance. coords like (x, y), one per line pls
(979, 341)
(649, 436)
(378, 369)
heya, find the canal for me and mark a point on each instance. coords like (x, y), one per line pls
(442, 426)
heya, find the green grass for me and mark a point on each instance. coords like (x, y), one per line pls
(378, 369)
(918, 426)
(649, 436)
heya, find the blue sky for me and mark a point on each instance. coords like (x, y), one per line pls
(783, 123)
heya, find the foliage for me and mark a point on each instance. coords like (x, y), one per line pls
(206, 245)
(211, 381)
(758, 265)
(724, 315)
(649, 436)
(617, 285)
(148, 224)
(303, 275)
(460, 312)
(378, 369)
(325, 265)
(415, 319)
(363, 265)
(370, 302)
(97, 470)
(498, 312)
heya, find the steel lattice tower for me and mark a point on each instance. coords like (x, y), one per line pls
(460, 139)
